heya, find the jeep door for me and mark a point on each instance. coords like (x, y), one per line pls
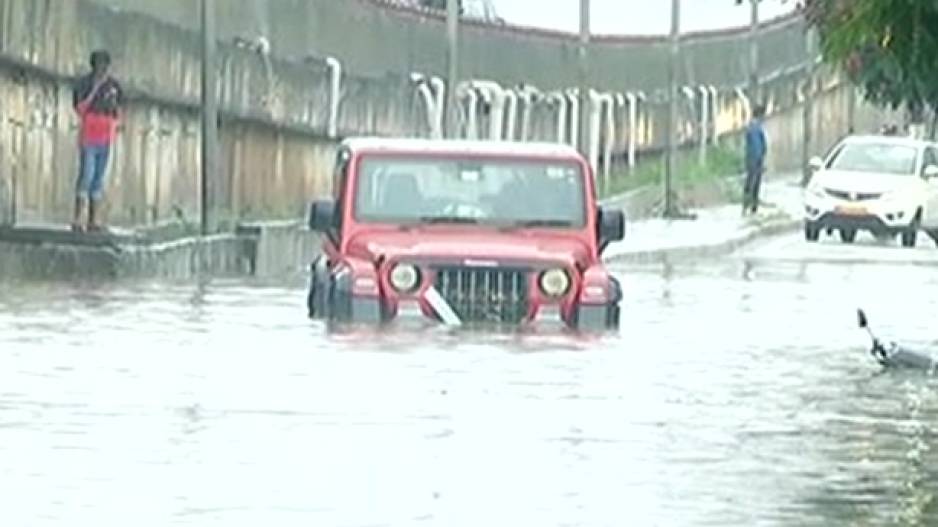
(930, 217)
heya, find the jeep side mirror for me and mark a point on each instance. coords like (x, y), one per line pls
(322, 215)
(611, 227)
(931, 172)
(816, 163)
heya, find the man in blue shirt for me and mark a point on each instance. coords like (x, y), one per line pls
(756, 149)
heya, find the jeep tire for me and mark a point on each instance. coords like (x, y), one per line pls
(602, 317)
(318, 289)
(345, 308)
(596, 318)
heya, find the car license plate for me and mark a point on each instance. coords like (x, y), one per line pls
(851, 210)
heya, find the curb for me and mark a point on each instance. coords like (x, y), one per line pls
(770, 228)
(637, 202)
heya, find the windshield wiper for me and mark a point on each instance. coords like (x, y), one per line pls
(526, 224)
(433, 220)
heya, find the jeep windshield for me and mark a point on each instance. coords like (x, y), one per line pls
(504, 193)
(879, 158)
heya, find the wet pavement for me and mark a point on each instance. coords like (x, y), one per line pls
(866, 249)
(739, 392)
(782, 199)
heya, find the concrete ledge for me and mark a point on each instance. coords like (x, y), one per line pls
(769, 227)
(55, 253)
(642, 203)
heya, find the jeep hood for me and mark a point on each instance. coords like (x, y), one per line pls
(487, 247)
(864, 182)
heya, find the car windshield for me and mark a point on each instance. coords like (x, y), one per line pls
(474, 191)
(882, 158)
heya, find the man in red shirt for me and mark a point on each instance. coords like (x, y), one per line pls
(97, 98)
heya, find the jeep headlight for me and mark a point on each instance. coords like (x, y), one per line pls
(405, 278)
(554, 282)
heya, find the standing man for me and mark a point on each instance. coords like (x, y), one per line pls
(756, 149)
(97, 98)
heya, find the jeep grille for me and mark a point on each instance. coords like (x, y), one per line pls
(485, 295)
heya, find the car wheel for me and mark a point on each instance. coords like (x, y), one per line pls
(909, 238)
(811, 232)
(848, 235)
(910, 235)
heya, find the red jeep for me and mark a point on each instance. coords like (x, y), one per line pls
(464, 233)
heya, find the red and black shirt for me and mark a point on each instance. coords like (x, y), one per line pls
(99, 110)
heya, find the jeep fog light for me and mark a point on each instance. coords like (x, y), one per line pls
(405, 278)
(554, 283)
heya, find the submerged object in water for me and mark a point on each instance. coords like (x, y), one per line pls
(894, 355)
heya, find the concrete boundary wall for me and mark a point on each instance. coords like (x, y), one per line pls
(281, 115)
(377, 36)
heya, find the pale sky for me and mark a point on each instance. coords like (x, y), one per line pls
(634, 17)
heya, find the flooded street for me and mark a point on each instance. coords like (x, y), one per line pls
(737, 394)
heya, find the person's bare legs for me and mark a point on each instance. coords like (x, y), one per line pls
(94, 214)
(100, 156)
(77, 224)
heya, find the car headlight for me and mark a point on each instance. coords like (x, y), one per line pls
(554, 282)
(898, 196)
(405, 278)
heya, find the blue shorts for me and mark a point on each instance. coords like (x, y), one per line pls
(92, 166)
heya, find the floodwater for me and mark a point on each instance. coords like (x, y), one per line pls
(735, 395)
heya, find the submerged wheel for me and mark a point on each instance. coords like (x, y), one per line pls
(316, 300)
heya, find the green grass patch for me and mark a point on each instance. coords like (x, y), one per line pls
(722, 162)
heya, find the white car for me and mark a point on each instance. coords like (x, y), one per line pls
(885, 185)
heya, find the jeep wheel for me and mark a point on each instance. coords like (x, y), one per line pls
(338, 305)
(318, 290)
(596, 318)
(811, 232)
(345, 308)
(848, 235)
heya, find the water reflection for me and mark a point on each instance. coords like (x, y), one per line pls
(740, 398)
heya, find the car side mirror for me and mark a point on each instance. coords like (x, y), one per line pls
(322, 215)
(931, 172)
(816, 163)
(611, 227)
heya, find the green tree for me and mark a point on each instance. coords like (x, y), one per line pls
(888, 47)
